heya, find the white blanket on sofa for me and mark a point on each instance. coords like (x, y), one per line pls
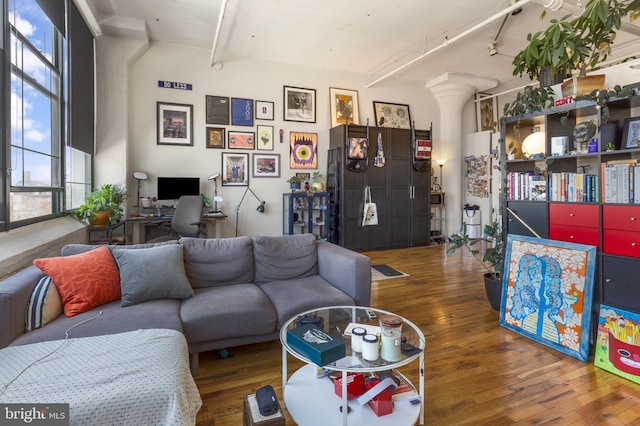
(140, 377)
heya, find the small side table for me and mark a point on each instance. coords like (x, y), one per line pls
(252, 417)
(104, 234)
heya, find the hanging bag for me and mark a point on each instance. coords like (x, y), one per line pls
(370, 212)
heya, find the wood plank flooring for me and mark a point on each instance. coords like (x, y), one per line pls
(476, 372)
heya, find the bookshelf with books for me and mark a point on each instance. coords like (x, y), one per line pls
(591, 194)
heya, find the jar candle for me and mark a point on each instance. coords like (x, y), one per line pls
(356, 338)
(370, 347)
(391, 336)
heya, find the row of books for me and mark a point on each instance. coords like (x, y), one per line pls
(574, 187)
(526, 186)
(621, 181)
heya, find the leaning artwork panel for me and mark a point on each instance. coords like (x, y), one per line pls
(618, 342)
(548, 291)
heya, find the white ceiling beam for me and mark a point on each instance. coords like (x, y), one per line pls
(89, 17)
(223, 7)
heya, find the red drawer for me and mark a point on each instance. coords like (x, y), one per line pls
(574, 214)
(623, 243)
(624, 218)
(575, 234)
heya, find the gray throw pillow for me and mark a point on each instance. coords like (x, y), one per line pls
(152, 273)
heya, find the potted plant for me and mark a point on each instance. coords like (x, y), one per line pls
(492, 259)
(103, 206)
(571, 44)
(295, 182)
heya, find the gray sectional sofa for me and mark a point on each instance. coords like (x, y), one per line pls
(244, 289)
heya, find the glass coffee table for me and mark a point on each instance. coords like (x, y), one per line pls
(312, 401)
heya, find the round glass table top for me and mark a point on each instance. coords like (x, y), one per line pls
(338, 321)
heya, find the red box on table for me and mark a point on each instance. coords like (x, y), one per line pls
(381, 404)
(355, 385)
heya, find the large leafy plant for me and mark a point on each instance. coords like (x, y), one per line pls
(107, 198)
(572, 43)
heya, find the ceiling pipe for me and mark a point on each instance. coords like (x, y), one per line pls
(223, 7)
(448, 41)
(89, 17)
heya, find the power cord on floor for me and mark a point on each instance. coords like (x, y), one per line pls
(66, 337)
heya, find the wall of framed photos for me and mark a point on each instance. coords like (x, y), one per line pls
(128, 121)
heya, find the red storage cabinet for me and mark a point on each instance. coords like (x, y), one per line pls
(575, 234)
(574, 214)
(624, 218)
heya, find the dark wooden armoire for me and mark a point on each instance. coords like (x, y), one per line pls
(400, 189)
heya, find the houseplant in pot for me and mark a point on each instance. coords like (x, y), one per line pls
(295, 182)
(573, 45)
(103, 205)
(489, 251)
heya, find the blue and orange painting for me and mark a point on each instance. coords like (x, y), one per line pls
(548, 291)
(618, 342)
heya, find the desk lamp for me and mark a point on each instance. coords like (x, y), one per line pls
(259, 209)
(140, 176)
(214, 177)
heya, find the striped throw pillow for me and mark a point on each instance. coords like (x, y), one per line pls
(45, 304)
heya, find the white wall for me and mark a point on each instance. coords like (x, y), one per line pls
(241, 78)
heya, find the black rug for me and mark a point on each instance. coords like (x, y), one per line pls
(387, 270)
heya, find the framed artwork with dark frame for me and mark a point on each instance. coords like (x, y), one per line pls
(241, 140)
(235, 169)
(299, 104)
(217, 110)
(264, 110)
(344, 106)
(547, 292)
(631, 133)
(266, 165)
(241, 112)
(392, 115)
(175, 124)
(265, 138)
(215, 137)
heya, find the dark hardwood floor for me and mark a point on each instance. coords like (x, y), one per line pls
(476, 372)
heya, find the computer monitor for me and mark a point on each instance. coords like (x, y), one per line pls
(172, 188)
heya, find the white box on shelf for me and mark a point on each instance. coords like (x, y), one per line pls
(559, 145)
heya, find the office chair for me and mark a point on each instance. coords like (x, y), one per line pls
(187, 220)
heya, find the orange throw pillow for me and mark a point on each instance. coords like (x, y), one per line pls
(84, 280)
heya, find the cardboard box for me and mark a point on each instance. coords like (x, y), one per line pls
(319, 347)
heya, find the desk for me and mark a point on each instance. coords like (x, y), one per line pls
(140, 224)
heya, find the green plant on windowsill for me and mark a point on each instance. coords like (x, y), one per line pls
(103, 205)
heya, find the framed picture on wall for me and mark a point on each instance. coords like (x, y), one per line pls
(175, 124)
(215, 137)
(266, 165)
(303, 150)
(299, 104)
(344, 106)
(264, 110)
(265, 138)
(241, 140)
(241, 112)
(235, 169)
(392, 115)
(486, 112)
(217, 110)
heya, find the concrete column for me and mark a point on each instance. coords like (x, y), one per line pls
(452, 92)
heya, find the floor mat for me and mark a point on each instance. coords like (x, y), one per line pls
(385, 272)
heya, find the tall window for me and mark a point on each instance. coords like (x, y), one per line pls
(41, 169)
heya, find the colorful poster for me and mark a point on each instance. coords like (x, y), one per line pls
(618, 342)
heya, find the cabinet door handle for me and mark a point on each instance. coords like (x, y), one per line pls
(607, 280)
(571, 237)
(633, 244)
(571, 215)
(632, 219)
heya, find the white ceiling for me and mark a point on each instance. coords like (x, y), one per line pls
(373, 37)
